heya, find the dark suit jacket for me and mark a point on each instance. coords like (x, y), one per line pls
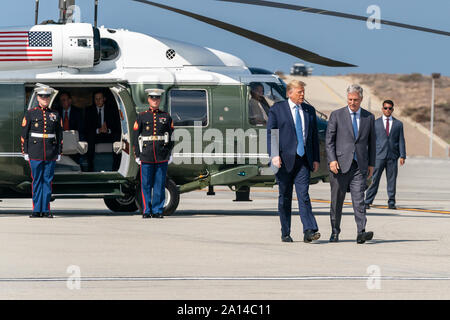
(111, 117)
(76, 121)
(284, 144)
(340, 143)
(392, 146)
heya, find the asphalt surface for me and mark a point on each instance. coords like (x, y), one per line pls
(214, 248)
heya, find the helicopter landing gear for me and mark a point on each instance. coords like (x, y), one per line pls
(123, 204)
(243, 194)
(172, 198)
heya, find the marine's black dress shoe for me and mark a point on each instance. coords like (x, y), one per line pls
(364, 236)
(146, 216)
(157, 215)
(392, 206)
(48, 215)
(35, 215)
(311, 235)
(287, 239)
(334, 237)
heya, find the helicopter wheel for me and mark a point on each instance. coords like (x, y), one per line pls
(172, 198)
(123, 204)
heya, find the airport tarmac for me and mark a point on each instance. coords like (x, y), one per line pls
(214, 248)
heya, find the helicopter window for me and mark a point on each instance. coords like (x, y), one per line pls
(188, 106)
(110, 49)
(262, 96)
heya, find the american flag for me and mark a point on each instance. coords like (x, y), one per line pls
(26, 46)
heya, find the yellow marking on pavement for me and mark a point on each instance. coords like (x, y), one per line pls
(349, 203)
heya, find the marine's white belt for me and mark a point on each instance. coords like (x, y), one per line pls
(43, 135)
(152, 138)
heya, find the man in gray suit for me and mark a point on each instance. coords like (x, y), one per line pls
(350, 145)
(390, 147)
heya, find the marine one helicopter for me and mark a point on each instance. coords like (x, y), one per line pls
(206, 89)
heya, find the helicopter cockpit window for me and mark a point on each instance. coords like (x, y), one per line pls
(188, 106)
(262, 96)
(109, 49)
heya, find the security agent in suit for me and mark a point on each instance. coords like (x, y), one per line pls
(152, 145)
(72, 118)
(350, 146)
(293, 145)
(102, 126)
(390, 147)
(42, 146)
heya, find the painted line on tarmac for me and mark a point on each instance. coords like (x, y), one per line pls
(386, 207)
(349, 203)
(293, 278)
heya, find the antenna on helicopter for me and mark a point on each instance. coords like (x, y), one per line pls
(96, 13)
(36, 12)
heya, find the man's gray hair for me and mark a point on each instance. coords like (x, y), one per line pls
(355, 88)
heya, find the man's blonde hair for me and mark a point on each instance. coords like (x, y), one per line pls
(295, 84)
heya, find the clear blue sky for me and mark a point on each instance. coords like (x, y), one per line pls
(389, 50)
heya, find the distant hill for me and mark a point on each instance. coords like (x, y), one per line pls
(411, 94)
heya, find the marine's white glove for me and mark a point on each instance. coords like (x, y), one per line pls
(170, 160)
(138, 161)
(58, 159)
(26, 157)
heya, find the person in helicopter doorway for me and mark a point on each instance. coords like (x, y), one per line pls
(152, 146)
(42, 140)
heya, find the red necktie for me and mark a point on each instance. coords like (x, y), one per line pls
(387, 126)
(66, 121)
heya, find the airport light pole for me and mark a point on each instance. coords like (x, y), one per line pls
(434, 76)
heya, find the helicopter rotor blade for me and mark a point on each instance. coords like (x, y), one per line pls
(257, 37)
(335, 14)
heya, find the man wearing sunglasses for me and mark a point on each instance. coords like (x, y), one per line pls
(42, 138)
(152, 146)
(390, 147)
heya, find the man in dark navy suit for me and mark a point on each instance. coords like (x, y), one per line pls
(390, 147)
(71, 115)
(102, 126)
(293, 145)
(72, 119)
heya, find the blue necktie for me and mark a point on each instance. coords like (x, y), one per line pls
(355, 130)
(299, 132)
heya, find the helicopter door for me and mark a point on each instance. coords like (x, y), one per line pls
(128, 167)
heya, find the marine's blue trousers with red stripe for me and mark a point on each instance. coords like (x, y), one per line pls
(153, 177)
(42, 173)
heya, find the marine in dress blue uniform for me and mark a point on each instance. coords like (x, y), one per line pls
(152, 147)
(42, 139)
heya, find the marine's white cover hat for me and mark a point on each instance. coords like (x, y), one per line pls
(154, 92)
(43, 89)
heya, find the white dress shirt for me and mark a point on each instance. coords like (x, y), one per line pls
(358, 116)
(391, 120)
(292, 105)
(102, 114)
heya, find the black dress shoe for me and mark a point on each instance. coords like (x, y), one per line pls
(146, 216)
(367, 206)
(311, 235)
(287, 239)
(334, 237)
(48, 215)
(157, 216)
(35, 215)
(364, 236)
(392, 206)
